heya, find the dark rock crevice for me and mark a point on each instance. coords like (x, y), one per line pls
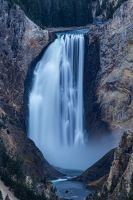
(92, 110)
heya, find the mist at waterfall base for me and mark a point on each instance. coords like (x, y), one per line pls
(56, 107)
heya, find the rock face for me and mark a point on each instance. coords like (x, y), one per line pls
(104, 9)
(112, 91)
(21, 42)
(119, 184)
(110, 99)
(116, 76)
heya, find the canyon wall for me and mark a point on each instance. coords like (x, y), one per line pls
(115, 79)
(111, 68)
(113, 94)
(22, 164)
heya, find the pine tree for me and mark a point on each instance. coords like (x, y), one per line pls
(7, 197)
(1, 197)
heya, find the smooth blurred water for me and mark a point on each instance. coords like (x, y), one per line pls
(56, 100)
(71, 190)
(56, 107)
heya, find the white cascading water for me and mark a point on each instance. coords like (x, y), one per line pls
(71, 88)
(56, 105)
(56, 100)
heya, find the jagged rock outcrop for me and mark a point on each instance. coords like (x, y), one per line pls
(21, 42)
(119, 184)
(104, 9)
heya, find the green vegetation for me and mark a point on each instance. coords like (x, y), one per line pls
(131, 191)
(56, 13)
(11, 173)
(7, 198)
(53, 13)
(1, 197)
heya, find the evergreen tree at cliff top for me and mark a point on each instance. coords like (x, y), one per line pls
(56, 13)
(1, 198)
(53, 13)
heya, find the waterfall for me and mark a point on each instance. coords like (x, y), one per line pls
(56, 99)
(71, 86)
(56, 106)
